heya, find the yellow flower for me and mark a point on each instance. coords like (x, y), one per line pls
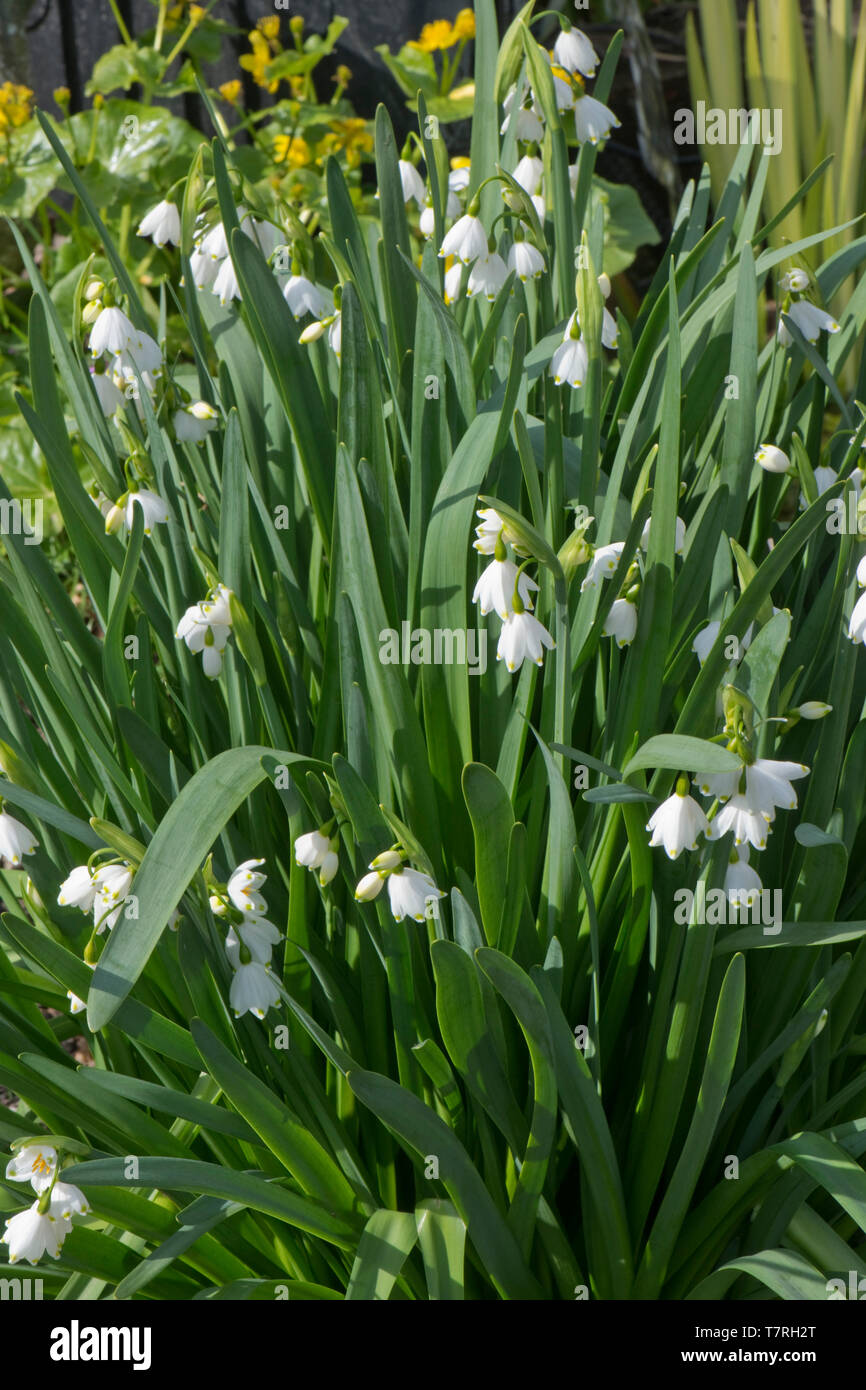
(434, 36)
(14, 105)
(257, 61)
(62, 96)
(464, 24)
(270, 26)
(460, 161)
(231, 91)
(293, 149)
(197, 13)
(351, 136)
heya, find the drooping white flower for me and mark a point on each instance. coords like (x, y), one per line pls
(335, 336)
(489, 530)
(706, 640)
(529, 126)
(621, 622)
(525, 260)
(604, 561)
(453, 281)
(30, 1234)
(310, 849)
(857, 621)
(679, 536)
(467, 239)
(742, 882)
(570, 362)
(35, 1163)
(303, 297)
(154, 508)
(215, 243)
(794, 282)
(824, 477)
(162, 223)
(411, 894)
(253, 990)
(329, 867)
(142, 357)
(67, 1201)
(15, 840)
(258, 935)
(593, 121)
(458, 178)
(112, 332)
(203, 268)
(192, 423)
(487, 276)
(412, 183)
(522, 637)
(529, 173)
(809, 319)
(772, 459)
(746, 824)
(574, 52)
(205, 628)
(108, 393)
(564, 93)
(265, 235)
(243, 888)
(495, 588)
(226, 285)
(113, 882)
(767, 785)
(677, 823)
(78, 889)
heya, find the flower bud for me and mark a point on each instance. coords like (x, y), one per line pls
(391, 859)
(202, 411)
(91, 311)
(312, 332)
(369, 888)
(94, 289)
(113, 520)
(772, 460)
(813, 709)
(330, 865)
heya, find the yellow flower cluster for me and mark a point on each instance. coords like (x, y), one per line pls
(442, 34)
(14, 105)
(265, 43)
(292, 150)
(349, 135)
(231, 91)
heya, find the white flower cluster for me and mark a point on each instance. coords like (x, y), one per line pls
(621, 620)
(45, 1225)
(411, 893)
(573, 59)
(211, 263)
(504, 589)
(810, 320)
(317, 852)
(570, 360)
(206, 627)
(250, 940)
(102, 891)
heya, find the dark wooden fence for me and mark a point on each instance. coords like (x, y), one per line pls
(53, 43)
